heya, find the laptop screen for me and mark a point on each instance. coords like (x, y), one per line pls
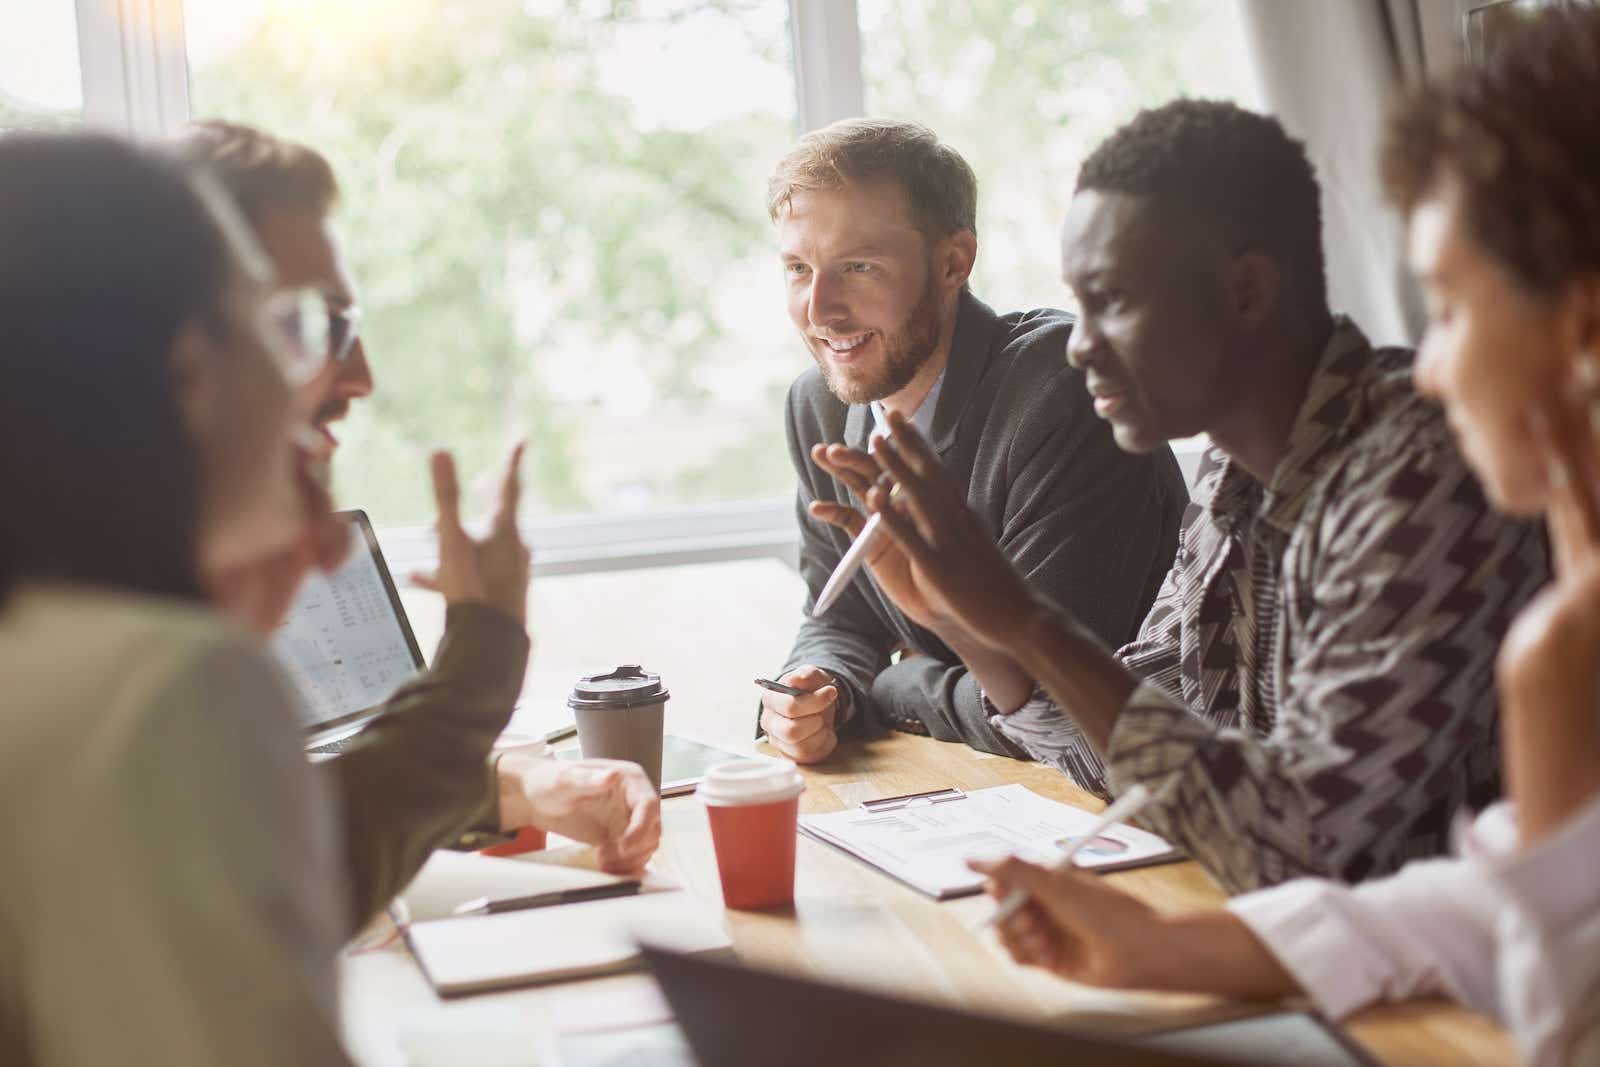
(346, 642)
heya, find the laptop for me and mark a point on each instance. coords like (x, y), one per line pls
(347, 643)
(736, 1016)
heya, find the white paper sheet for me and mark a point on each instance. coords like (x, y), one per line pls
(927, 845)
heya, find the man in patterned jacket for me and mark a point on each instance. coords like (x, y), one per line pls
(1312, 692)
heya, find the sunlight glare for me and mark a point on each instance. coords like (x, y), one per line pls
(39, 54)
(349, 29)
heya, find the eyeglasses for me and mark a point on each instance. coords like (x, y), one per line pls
(318, 331)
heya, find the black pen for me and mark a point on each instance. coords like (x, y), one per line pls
(485, 906)
(779, 687)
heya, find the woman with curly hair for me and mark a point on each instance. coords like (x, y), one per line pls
(1498, 175)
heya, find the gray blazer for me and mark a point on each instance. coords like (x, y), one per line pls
(1090, 526)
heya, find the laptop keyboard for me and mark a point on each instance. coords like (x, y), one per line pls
(333, 747)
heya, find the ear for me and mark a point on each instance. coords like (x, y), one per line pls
(193, 362)
(1255, 282)
(957, 254)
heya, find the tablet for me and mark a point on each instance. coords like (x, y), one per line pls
(684, 763)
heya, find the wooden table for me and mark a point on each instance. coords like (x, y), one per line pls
(852, 924)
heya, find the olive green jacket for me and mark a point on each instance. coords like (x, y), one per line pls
(420, 775)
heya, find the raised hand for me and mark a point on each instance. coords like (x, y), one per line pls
(1547, 669)
(953, 557)
(491, 570)
(890, 566)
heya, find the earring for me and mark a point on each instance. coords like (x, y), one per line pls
(1586, 369)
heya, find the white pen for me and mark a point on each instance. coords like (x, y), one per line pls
(849, 563)
(1124, 807)
(854, 556)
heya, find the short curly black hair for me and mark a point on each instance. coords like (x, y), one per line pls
(1521, 134)
(1230, 165)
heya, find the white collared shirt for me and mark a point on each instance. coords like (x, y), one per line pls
(1511, 933)
(922, 418)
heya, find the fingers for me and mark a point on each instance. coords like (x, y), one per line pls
(910, 443)
(909, 492)
(1031, 935)
(446, 492)
(814, 749)
(1032, 940)
(794, 729)
(855, 469)
(641, 835)
(846, 518)
(901, 529)
(505, 517)
(808, 678)
(1043, 886)
(428, 580)
(802, 727)
(810, 706)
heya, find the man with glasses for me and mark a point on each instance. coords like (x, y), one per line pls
(422, 774)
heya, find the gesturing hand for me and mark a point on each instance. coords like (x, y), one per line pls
(492, 570)
(954, 560)
(890, 567)
(1547, 669)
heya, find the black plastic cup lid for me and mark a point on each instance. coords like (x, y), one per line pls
(628, 686)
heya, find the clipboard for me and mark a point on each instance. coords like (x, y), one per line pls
(924, 839)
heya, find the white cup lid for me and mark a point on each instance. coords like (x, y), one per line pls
(751, 781)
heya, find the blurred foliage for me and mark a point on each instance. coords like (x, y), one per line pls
(504, 213)
(1024, 89)
(515, 228)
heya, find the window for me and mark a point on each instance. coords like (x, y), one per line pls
(1024, 89)
(554, 207)
(554, 211)
(40, 81)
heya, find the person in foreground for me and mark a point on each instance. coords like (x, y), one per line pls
(422, 774)
(1311, 692)
(1499, 175)
(878, 235)
(170, 889)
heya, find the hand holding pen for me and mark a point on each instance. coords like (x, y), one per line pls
(800, 714)
(1070, 922)
(949, 551)
(890, 567)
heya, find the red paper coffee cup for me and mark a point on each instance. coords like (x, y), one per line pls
(753, 805)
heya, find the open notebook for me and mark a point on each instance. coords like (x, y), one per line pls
(463, 954)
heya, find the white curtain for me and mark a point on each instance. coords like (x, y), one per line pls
(1330, 70)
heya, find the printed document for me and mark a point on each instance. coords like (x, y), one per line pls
(927, 845)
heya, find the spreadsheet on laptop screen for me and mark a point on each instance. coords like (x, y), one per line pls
(342, 642)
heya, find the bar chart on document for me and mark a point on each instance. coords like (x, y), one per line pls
(342, 643)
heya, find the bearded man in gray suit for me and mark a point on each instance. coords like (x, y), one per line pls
(878, 235)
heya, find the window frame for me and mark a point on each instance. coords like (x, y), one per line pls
(135, 71)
